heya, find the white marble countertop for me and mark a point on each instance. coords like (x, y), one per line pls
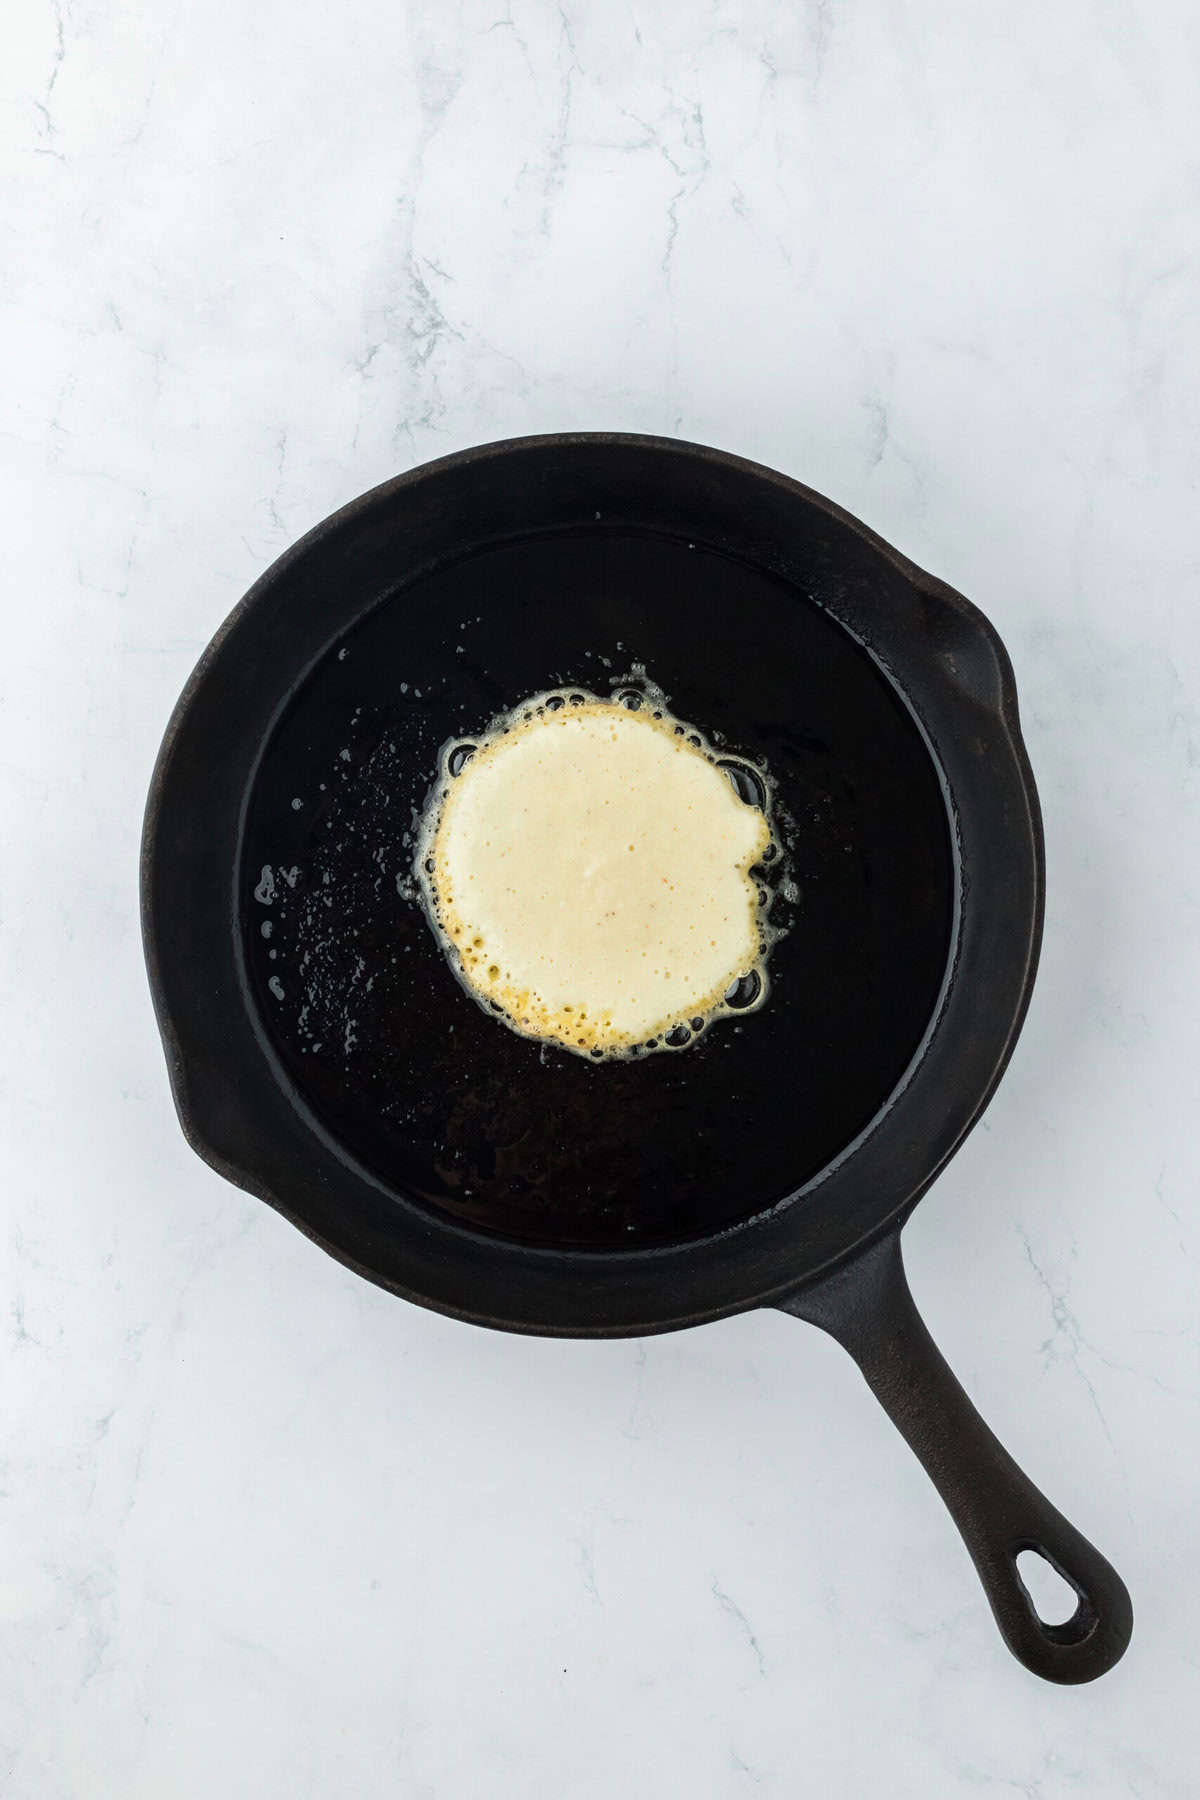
(267, 1532)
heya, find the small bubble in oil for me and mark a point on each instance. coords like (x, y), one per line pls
(747, 785)
(745, 990)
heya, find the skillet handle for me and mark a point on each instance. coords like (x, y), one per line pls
(867, 1307)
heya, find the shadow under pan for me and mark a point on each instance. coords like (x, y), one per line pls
(440, 1100)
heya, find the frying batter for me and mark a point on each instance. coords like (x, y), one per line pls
(588, 869)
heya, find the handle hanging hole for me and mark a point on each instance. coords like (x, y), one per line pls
(1051, 1595)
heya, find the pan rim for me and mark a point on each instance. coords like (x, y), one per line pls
(606, 1299)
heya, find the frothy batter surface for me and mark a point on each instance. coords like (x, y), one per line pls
(590, 870)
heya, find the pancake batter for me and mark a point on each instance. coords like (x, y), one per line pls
(587, 867)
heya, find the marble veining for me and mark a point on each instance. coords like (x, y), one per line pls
(265, 1531)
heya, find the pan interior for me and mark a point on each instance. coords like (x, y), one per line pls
(448, 1108)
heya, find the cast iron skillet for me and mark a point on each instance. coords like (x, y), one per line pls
(323, 1056)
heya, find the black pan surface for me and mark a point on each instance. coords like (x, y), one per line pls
(427, 1089)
